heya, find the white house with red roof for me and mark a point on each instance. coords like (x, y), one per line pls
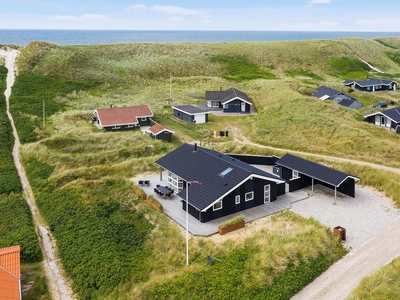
(122, 118)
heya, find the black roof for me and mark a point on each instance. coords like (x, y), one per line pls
(190, 109)
(391, 113)
(350, 103)
(227, 96)
(369, 82)
(325, 91)
(313, 169)
(205, 166)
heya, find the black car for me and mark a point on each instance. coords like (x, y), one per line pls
(380, 104)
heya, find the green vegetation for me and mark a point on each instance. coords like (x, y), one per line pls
(239, 68)
(383, 284)
(234, 220)
(347, 68)
(18, 230)
(112, 244)
(35, 278)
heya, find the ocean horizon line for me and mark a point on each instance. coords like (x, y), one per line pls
(23, 37)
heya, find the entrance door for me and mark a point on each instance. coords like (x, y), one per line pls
(243, 106)
(267, 193)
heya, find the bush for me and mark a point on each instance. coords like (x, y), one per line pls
(234, 220)
(16, 227)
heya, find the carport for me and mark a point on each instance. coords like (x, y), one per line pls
(300, 173)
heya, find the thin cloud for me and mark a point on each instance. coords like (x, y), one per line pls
(83, 17)
(319, 1)
(136, 7)
(175, 10)
(176, 19)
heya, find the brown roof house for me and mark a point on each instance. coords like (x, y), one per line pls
(122, 118)
(10, 273)
(160, 132)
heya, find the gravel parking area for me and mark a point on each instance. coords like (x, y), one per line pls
(363, 217)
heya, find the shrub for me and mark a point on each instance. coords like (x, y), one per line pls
(16, 227)
(234, 220)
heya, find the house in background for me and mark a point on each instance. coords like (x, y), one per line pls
(224, 184)
(160, 132)
(389, 118)
(300, 173)
(10, 273)
(339, 97)
(122, 118)
(372, 85)
(231, 100)
(190, 113)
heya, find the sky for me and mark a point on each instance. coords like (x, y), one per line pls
(286, 15)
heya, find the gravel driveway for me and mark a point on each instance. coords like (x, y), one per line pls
(363, 217)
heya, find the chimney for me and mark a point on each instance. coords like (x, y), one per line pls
(220, 88)
(195, 147)
(110, 105)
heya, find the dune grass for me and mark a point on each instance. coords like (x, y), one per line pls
(80, 175)
(383, 284)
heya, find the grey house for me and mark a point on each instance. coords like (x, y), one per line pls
(389, 118)
(190, 113)
(339, 97)
(372, 84)
(231, 100)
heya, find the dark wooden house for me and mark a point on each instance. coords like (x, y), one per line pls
(372, 84)
(231, 100)
(160, 132)
(217, 184)
(300, 173)
(122, 118)
(190, 113)
(389, 118)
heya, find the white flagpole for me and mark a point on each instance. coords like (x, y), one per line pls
(187, 223)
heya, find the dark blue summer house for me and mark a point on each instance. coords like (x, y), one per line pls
(389, 118)
(372, 85)
(300, 173)
(190, 113)
(217, 184)
(231, 100)
(326, 93)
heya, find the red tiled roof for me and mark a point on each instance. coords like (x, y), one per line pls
(10, 259)
(157, 129)
(123, 115)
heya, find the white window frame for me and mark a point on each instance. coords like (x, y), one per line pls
(143, 119)
(131, 125)
(295, 174)
(217, 208)
(267, 198)
(116, 127)
(248, 194)
(237, 199)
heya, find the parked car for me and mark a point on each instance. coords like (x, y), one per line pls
(380, 104)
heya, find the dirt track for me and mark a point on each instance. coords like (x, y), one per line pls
(58, 284)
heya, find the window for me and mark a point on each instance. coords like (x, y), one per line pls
(267, 193)
(249, 196)
(226, 171)
(295, 174)
(143, 119)
(237, 199)
(214, 103)
(217, 205)
(116, 127)
(130, 125)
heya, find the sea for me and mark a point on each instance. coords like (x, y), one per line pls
(93, 37)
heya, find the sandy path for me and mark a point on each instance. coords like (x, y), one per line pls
(58, 286)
